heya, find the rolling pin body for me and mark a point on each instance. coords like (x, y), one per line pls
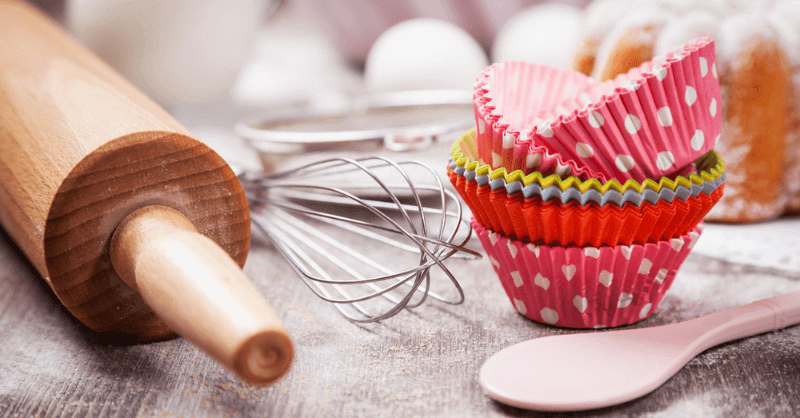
(81, 149)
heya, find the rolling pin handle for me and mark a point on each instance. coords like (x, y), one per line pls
(197, 289)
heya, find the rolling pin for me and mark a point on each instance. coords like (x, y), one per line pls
(140, 229)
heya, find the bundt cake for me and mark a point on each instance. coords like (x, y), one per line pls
(758, 51)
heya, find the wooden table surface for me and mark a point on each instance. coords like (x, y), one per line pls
(421, 363)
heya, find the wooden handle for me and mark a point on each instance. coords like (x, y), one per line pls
(200, 292)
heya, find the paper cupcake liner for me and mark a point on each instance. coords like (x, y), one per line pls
(613, 197)
(554, 223)
(499, 144)
(586, 287)
(707, 169)
(651, 122)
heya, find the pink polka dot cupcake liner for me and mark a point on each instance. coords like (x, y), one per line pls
(510, 99)
(649, 123)
(586, 287)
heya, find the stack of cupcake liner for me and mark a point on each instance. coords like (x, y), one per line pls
(588, 197)
(563, 214)
(565, 193)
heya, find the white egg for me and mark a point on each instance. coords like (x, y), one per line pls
(545, 34)
(424, 53)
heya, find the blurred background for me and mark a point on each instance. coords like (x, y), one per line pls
(295, 78)
(271, 51)
(212, 63)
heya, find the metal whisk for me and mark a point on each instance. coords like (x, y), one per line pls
(364, 234)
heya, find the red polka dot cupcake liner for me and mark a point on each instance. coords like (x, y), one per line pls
(652, 122)
(572, 224)
(585, 287)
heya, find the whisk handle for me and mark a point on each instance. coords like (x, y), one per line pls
(200, 293)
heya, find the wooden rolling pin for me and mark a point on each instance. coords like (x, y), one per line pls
(140, 229)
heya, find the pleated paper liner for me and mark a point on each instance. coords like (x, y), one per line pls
(651, 122)
(554, 223)
(613, 197)
(589, 287)
(707, 169)
(498, 142)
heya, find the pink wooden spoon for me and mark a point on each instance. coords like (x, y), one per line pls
(594, 370)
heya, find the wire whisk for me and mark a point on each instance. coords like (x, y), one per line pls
(364, 234)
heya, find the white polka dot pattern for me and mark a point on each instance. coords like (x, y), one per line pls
(660, 276)
(609, 289)
(605, 278)
(703, 67)
(624, 162)
(541, 281)
(569, 271)
(512, 249)
(563, 171)
(632, 124)
(660, 72)
(625, 300)
(517, 278)
(665, 116)
(698, 139)
(665, 160)
(497, 160)
(508, 141)
(545, 130)
(550, 316)
(580, 303)
(690, 96)
(693, 236)
(645, 310)
(533, 160)
(520, 305)
(584, 150)
(644, 268)
(596, 120)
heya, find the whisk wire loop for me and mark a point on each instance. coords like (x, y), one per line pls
(339, 222)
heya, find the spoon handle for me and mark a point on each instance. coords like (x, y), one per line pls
(755, 318)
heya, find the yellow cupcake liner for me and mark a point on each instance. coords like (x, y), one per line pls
(464, 153)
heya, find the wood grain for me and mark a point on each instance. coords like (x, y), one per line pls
(421, 363)
(80, 149)
(200, 292)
